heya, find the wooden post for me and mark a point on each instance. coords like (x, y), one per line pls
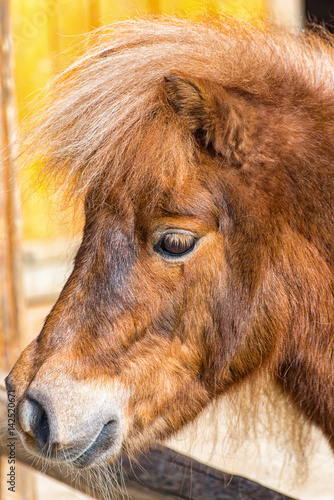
(11, 289)
(12, 308)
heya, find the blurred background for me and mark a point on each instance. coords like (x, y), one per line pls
(37, 239)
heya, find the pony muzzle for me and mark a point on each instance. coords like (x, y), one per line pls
(53, 427)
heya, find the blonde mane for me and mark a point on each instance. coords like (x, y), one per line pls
(99, 108)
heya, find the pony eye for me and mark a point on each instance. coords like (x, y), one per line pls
(176, 244)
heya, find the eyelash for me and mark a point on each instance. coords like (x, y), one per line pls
(188, 241)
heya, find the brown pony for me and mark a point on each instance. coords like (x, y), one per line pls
(205, 153)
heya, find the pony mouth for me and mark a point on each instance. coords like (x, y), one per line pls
(105, 441)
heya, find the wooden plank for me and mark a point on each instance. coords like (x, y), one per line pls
(11, 290)
(25, 487)
(169, 472)
(4, 493)
(163, 474)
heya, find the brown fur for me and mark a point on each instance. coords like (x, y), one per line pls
(223, 130)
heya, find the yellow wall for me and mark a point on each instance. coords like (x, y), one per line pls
(43, 30)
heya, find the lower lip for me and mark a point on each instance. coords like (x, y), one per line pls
(102, 443)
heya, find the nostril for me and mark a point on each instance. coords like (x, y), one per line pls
(34, 421)
(41, 425)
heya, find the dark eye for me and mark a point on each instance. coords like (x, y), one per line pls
(176, 244)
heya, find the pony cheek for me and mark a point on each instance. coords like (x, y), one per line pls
(165, 400)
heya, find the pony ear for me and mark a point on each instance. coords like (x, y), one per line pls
(210, 113)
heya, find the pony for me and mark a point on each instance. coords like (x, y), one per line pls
(204, 152)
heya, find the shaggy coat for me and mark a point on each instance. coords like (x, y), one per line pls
(205, 154)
